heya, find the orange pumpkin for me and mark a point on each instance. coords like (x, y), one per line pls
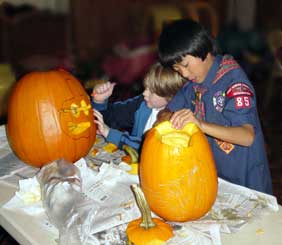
(50, 117)
(146, 230)
(177, 172)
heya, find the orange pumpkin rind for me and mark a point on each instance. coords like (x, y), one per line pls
(177, 172)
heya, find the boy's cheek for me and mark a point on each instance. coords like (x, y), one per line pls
(148, 103)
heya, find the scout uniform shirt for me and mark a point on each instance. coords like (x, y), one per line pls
(226, 97)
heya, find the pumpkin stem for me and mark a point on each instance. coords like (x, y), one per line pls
(144, 208)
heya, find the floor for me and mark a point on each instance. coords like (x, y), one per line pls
(271, 122)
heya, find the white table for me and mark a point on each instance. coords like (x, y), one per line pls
(25, 230)
(20, 226)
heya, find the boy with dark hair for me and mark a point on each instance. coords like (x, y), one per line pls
(220, 99)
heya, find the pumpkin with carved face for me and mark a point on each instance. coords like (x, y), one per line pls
(50, 117)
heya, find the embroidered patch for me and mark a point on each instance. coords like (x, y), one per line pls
(218, 100)
(242, 102)
(238, 89)
(225, 146)
(241, 93)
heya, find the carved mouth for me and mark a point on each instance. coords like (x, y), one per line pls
(78, 128)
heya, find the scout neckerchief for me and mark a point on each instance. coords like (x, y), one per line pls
(227, 64)
(200, 111)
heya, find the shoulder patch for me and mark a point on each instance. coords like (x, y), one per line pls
(241, 93)
(239, 89)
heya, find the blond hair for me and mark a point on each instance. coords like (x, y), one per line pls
(163, 81)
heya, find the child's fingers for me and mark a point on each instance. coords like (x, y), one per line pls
(97, 113)
(100, 125)
(100, 119)
(103, 88)
(180, 118)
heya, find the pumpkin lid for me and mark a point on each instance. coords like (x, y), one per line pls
(172, 136)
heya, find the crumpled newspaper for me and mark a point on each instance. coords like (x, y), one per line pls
(29, 191)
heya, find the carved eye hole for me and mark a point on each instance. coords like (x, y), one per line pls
(75, 109)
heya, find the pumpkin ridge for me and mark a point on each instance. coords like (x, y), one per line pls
(203, 186)
(27, 121)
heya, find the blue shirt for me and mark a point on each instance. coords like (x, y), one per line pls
(227, 98)
(131, 114)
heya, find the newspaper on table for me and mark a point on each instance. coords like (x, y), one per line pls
(109, 188)
(12, 169)
(9, 163)
(234, 207)
(102, 156)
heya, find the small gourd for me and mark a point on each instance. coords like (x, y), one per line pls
(146, 230)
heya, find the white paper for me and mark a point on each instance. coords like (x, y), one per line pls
(109, 188)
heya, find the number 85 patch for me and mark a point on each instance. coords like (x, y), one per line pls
(241, 93)
(242, 102)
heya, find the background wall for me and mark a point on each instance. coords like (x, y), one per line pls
(61, 6)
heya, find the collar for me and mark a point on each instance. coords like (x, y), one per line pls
(208, 82)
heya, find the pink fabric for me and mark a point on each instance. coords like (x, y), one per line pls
(129, 64)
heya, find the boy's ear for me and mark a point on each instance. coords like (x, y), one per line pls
(163, 115)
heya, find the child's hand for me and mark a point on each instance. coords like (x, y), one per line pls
(163, 115)
(103, 91)
(180, 118)
(102, 129)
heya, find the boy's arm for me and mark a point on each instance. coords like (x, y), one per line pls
(121, 138)
(241, 135)
(115, 136)
(239, 113)
(119, 115)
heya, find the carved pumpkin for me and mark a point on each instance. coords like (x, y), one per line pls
(146, 230)
(50, 117)
(177, 172)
